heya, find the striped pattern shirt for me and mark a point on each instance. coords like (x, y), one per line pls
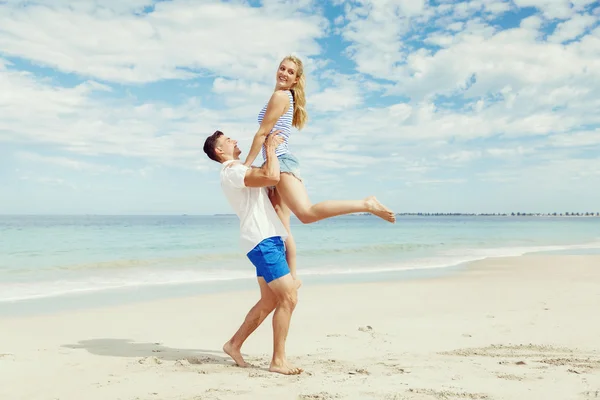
(284, 124)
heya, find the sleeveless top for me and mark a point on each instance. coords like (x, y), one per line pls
(284, 124)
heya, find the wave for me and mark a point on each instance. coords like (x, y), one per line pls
(11, 292)
(373, 248)
(123, 264)
(449, 259)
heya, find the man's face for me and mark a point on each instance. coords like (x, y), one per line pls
(228, 148)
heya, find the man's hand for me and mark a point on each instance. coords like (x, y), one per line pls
(274, 140)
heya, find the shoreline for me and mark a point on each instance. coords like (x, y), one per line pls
(92, 300)
(137, 294)
(503, 328)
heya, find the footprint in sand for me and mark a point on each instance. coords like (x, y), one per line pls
(259, 374)
(535, 356)
(394, 368)
(202, 360)
(447, 394)
(591, 394)
(318, 396)
(150, 361)
(510, 377)
(382, 337)
(215, 393)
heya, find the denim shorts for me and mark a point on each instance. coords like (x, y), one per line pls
(290, 164)
(269, 259)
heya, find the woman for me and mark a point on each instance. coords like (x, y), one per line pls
(285, 109)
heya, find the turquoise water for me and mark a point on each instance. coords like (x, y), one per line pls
(43, 257)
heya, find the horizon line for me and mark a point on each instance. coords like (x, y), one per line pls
(416, 213)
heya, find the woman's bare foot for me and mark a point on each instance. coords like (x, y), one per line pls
(378, 209)
(235, 354)
(284, 368)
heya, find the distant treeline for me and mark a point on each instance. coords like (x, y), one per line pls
(514, 214)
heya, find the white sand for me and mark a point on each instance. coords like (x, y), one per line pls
(521, 328)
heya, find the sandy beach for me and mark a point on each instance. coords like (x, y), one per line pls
(508, 328)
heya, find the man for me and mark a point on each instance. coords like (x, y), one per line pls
(262, 237)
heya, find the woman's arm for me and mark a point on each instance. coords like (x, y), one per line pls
(276, 107)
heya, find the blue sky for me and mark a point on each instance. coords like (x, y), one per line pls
(433, 106)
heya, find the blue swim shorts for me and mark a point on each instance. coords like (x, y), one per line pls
(269, 259)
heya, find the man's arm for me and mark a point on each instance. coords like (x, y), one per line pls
(268, 174)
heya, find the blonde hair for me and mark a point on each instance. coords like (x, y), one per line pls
(300, 115)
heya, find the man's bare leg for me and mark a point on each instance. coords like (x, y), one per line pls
(286, 292)
(284, 214)
(254, 318)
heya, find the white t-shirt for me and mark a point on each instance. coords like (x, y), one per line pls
(258, 219)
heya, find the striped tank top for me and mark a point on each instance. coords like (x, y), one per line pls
(284, 124)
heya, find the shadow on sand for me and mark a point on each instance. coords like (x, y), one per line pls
(128, 348)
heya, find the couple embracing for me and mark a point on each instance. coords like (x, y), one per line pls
(264, 198)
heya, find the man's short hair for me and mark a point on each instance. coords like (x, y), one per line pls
(210, 144)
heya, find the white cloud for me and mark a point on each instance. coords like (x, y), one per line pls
(496, 176)
(288, 7)
(74, 119)
(550, 8)
(106, 6)
(466, 156)
(79, 165)
(374, 29)
(556, 9)
(33, 110)
(572, 28)
(382, 33)
(513, 85)
(526, 79)
(439, 181)
(244, 98)
(177, 40)
(576, 139)
(511, 57)
(532, 23)
(497, 7)
(48, 181)
(462, 156)
(425, 122)
(559, 169)
(510, 152)
(343, 93)
(335, 99)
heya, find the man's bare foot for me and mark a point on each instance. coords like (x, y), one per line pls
(284, 368)
(235, 354)
(378, 209)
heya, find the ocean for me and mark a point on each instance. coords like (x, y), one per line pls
(57, 262)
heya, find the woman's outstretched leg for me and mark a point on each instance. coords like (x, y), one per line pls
(284, 214)
(293, 193)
